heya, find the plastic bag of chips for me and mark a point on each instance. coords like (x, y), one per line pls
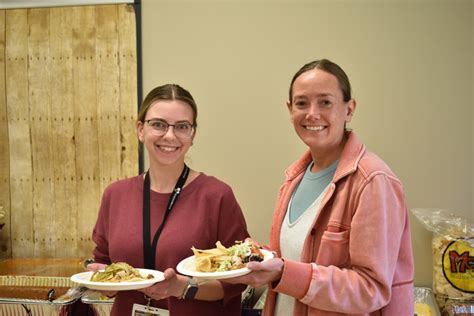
(453, 254)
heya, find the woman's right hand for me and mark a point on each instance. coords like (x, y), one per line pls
(96, 267)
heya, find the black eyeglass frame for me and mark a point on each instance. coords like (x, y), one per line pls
(193, 126)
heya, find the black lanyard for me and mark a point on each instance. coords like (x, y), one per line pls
(149, 251)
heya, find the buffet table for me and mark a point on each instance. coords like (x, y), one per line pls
(38, 286)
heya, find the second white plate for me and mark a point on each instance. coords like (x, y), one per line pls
(187, 267)
(83, 278)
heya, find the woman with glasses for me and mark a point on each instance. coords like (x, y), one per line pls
(152, 220)
(341, 227)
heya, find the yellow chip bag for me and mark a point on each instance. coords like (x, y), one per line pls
(453, 254)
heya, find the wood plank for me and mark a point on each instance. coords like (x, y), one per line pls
(63, 143)
(40, 127)
(128, 90)
(19, 133)
(108, 94)
(5, 227)
(85, 123)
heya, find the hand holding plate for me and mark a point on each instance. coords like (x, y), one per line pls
(261, 273)
(172, 285)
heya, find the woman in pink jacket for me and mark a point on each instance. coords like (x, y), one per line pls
(341, 228)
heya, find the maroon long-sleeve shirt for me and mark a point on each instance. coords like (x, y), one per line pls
(206, 211)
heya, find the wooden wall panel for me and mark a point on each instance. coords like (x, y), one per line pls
(85, 122)
(62, 139)
(108, 94)
(16, 52)
(5, 227)
(71, 104)
(128, 95)
(40, 128)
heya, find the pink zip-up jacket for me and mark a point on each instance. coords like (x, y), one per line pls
(357, 257)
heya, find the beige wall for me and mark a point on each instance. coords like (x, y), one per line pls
(410, 63)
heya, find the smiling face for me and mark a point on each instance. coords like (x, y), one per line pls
(319, 113)
(166, 149)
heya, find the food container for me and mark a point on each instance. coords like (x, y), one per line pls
(35, 295)
(102, 305)
(40, 286)
(456, 307)
(425, 303)
(453, 250)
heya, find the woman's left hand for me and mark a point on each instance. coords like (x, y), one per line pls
(261, 273)
(172, 285)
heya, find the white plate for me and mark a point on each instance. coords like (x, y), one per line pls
(83, 278)
(187, 267)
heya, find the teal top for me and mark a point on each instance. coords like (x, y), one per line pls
(311, 186)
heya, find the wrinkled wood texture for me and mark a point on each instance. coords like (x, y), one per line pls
(68, 105)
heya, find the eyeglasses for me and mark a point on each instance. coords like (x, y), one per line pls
(181, 129)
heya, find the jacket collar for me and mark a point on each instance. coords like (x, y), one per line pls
(350, 157)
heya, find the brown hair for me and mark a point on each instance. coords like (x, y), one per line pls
(168, 92)
(330, 67)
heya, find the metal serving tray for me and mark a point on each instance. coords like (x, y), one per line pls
(36, 295)
(102, 305)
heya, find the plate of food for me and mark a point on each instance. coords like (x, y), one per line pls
(118, 276)
(222, 262)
